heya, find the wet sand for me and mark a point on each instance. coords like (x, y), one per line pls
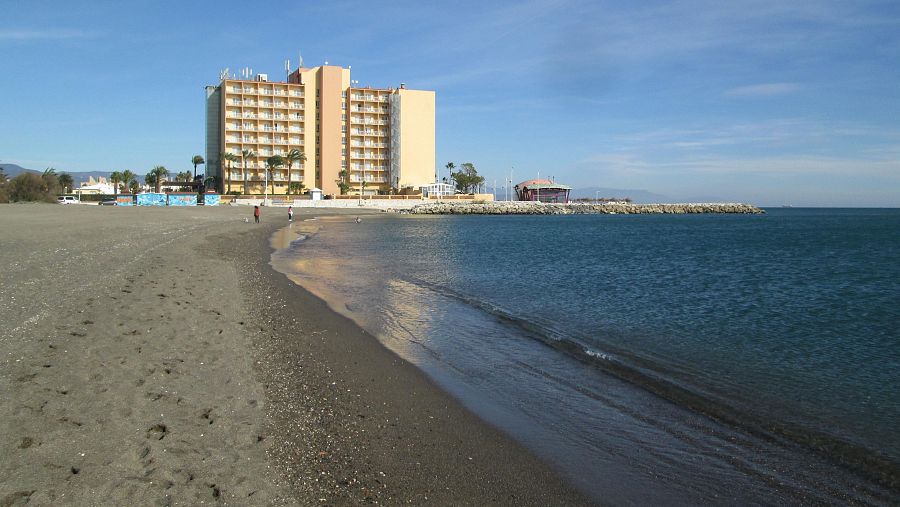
(152, 357)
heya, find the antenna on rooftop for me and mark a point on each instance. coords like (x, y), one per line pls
(223, 75)
(287, 68)
(300, 60)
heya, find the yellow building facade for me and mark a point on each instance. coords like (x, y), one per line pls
(377, 141)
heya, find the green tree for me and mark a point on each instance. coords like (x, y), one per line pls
(342, 182)
(184, 176)
(135, 186)
(211, 181)
(115, 177)
(245, 154)
(127, 178)
(156, 176)
(293, 156)
(66, 182)
(296, 187)
(29, 186)
(272, 163)
(197, 160)
(467, 178)
(229, 158)
(4, 183)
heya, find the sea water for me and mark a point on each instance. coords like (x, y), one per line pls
(658, 358)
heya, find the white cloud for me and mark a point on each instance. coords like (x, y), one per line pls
(763, 90)
(43, 34)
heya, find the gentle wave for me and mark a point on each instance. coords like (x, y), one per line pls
(648, 376)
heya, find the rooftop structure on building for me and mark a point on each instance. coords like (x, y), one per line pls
(366, 140)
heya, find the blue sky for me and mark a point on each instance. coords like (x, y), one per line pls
(767, 102)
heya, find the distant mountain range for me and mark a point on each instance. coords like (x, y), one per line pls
(13, 170)
(637, 196)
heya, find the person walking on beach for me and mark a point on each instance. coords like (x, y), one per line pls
(256, 213)
(290, 213)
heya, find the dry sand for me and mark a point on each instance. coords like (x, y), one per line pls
(152, 357)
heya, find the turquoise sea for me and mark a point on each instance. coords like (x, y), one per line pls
(681, 359)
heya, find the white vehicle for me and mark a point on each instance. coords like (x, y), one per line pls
(67, 199)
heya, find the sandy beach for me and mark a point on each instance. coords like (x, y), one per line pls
(152, 357)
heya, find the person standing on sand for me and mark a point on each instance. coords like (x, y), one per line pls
(290, 213)
(256, 213)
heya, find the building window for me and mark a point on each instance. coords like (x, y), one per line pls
(343, 140)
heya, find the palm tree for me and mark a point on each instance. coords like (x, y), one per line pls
(229, 158)
(450, 166)
(127, 178)
(157, 174)
(294, 155)
(272, 163)
(197, 160)
(135, 186)
(245, 154)
(115, 177)
(342, 183)
(184, 176)
(65, 181)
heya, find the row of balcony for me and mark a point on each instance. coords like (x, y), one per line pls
(368, 132)
(265, 91)
(254, 163)
(360, 109)
(371, 156)
(370, 98)
(367, 121)
(355, 178)
(253, 103)
(264, 116)
(264, 140)
(262, 128)
(359, 144)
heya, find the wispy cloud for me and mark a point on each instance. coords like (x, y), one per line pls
(797, 133)
(763, 90)
(43, 34)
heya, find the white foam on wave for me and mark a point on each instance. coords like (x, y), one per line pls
(598, 355)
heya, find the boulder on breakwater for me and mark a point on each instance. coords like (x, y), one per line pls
(538, 208)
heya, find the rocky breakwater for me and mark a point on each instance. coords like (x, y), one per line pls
(537, 208)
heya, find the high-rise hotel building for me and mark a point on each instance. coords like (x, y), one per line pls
(383, 137)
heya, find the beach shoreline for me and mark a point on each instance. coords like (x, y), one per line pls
(153, 356)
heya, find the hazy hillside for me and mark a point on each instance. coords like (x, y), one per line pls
(13, 170)
(637, 196)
